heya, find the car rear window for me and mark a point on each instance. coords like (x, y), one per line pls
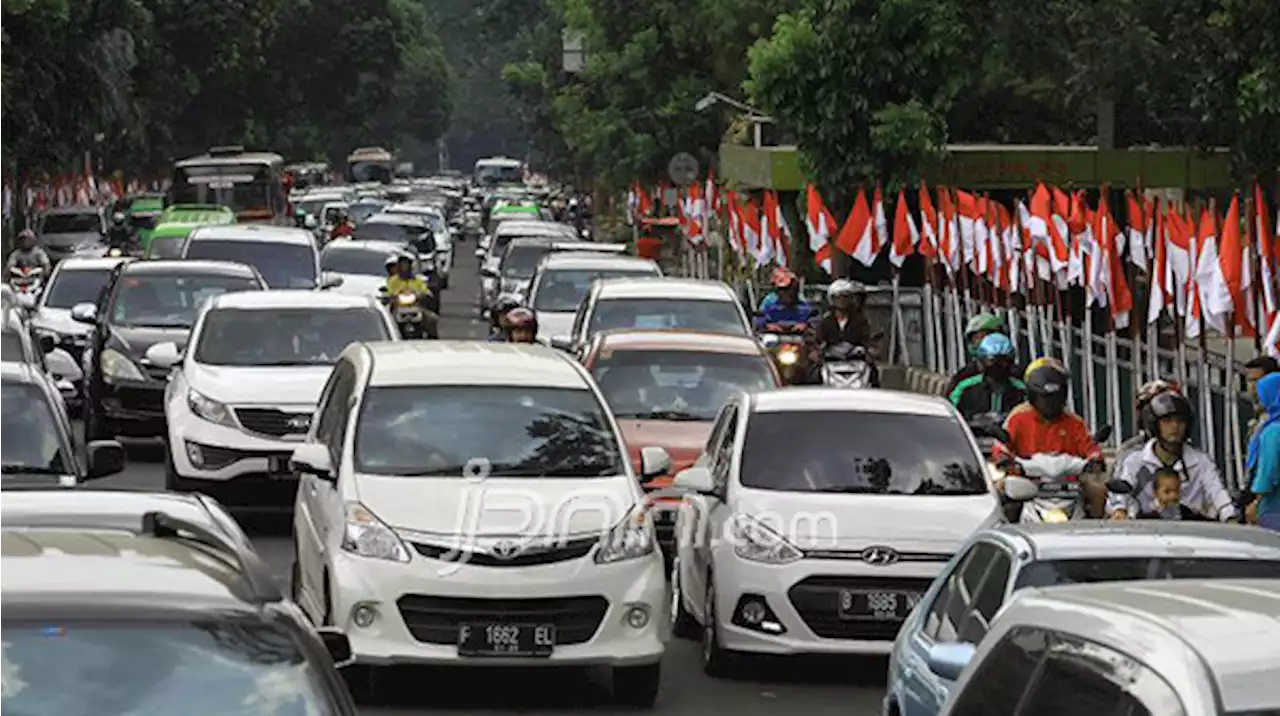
(1047, 573)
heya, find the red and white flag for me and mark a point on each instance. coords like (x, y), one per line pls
(928, 246)
(821, 226)
(905, 235)
(858, 236)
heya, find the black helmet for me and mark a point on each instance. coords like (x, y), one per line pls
(1047, 381)
(501, 307)
(1169, 404)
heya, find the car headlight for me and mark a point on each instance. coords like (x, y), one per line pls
(367, 536)
(117, 366)
(209, 409)
(632, 538)
(755, 541)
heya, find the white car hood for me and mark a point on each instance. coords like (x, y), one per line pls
(498, 507)
(359, 284)
(266, 385)
(58, 320)
(554, 325)
(908, 523)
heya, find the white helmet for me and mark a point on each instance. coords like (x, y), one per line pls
(844, 287)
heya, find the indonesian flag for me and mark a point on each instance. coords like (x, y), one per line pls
(820, 225)
(1205, 241)
(969, 216)
(1161, 278)
(1178, 253)
(882, 224)
(905, 235)
(1139, 231)
(735, 223)
(752, 235)
(777, 233)
(928, 245)
(1272, 344)
(1268, 249)
(1045, 230)
(1215, 293)
(1235, 269)
(1120, 299)
(711, 195)
(696, 211)
(857, 237)
(948, 231)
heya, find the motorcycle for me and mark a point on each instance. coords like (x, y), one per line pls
(787, 345)
(410, 318)
(988, 430)
(26, 280)
(845, 365)
(1046, 487)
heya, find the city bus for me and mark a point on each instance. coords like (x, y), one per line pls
(371, 164)
(249, 183)
(495, 171)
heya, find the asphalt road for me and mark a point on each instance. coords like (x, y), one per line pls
(813, 687)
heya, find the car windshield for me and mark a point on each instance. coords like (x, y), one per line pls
(169, 301)
(71, 224)
(165, 247)
(1048, 573)
(282, 265)
(284, 337)
(668, 314)
(382, 231)
(313, 207)
(561, 291)
(206, 668)
(860, 452)
(30, 442)
(491, 174)
(676, 385)
(337, 258)
(433, 219)
(522, 259)
(503, 431)
(364, 209)
(11, 347)
(73, 286)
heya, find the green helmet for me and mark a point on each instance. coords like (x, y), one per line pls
(984, 323)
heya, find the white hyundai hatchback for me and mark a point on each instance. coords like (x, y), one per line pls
(242, 396)
(471, 503)
(817, 518)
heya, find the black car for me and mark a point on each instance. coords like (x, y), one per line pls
(145, 303)
(36, 444)
(170, 617)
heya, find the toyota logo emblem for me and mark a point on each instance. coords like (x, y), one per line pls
(505, 549)
(879, 556)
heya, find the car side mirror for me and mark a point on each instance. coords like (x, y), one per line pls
(310, 222)
(84, 313)
(48, 343)
(26, 301)
(105, 457)
(562, 343)
(328, 281)
(479, 253)
(948, 660)
(696, 479)
(164, 355)
(1020, 489)
(488, 272)
(313, 459)
(654, 462)
(338, 646)
(1103, 434)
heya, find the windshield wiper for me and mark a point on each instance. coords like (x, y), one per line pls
(30, 470)
(678, 415)
(850, 489)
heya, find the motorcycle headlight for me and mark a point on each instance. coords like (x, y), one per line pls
(207, 408)
(755, 541)
(117, 366)
(632, 538)
(1056, 514)
(788, 356)
(406, 299)
(367, 536)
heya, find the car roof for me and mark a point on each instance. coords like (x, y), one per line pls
(666, 340)
(533, 228)
(594, 260)
(414, 207)
(398, 218)
(814, 399)
(665, 288)
(189, 267)
(254, 232)
(389, 247)
(289, 298)
(74, 263)
(1091, 539)
(1233, 625)
(17, 371)
(49, 566)
(98, 508)
(589, 246)
(472, 363)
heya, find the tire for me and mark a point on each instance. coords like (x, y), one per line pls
(683, 625)
(637, 686)
(717, 662)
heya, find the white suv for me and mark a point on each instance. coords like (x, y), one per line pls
(471, 503)
(242, 396)
(818, 519)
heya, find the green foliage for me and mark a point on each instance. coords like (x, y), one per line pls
(139, 82)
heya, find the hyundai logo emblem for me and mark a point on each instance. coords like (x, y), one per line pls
(879, 556)
(505, 549)
(300, 423)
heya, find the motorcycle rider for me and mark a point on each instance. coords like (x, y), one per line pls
(1149, 390)
(342, 226)
(499, 311)
(27, 255)
(520, 325)
(119, 236)
(783, 306)
(846, 322)
(996, 389)
(300, 218)
(978, 328)
(1168, 419)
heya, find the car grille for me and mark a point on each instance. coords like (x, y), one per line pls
(532, 556)
(435, 620)
(276, 423)
(142, 400)
(817, 601)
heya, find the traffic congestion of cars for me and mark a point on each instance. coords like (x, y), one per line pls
(639, 474)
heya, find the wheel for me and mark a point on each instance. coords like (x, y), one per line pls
(716, 660)
(637, 686)
(683, 625)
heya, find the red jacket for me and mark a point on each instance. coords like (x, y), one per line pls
(1030, 434)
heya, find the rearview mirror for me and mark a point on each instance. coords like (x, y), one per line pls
(328, 281)
(562, 343)
(164, 355)
(338, 646)
(105, 457)
(696, 479)
(654, 462)
(948, 660)
(1020, 489)
(84, 313)
(1103, 434)
(312, 459)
